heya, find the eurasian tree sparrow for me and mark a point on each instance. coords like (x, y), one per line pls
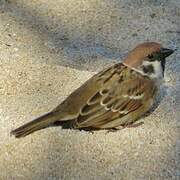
(115, 97)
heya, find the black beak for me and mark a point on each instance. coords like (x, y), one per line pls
(166, 52)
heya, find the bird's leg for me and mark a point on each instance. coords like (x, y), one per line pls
(88, 130)
(131, 125)
(115, 129)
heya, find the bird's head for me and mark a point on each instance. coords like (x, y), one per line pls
(149, 58)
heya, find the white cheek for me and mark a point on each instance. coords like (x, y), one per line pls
(158, 72)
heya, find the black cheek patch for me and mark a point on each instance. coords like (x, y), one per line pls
(149, 69)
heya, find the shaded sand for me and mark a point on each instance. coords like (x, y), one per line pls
(49, 48)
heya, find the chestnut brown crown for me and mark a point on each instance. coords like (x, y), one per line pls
(141, 52)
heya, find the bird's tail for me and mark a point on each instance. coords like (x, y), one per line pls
(37, 124)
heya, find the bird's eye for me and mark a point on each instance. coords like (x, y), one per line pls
(150, 56)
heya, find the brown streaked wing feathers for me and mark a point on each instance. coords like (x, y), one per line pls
(114, 103)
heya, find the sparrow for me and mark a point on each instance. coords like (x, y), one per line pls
(113, 98)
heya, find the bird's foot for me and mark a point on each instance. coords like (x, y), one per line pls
(132, 125)
(115, 129)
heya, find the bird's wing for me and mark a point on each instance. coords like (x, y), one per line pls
(69, 109)
(123, 96)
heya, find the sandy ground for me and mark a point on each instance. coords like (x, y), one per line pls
(48, 49)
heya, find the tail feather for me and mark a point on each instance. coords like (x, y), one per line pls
(37, 124)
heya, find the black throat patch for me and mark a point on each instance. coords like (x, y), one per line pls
(163, 63)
